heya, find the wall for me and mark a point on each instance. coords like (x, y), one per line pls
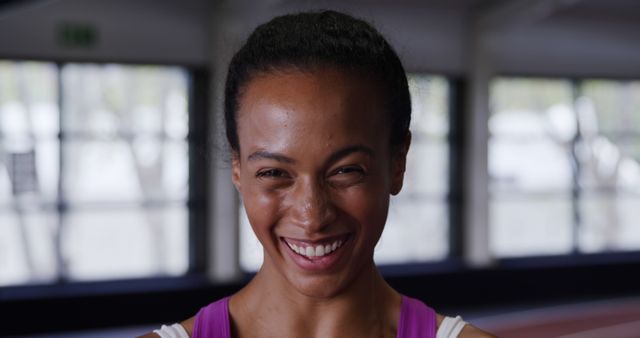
(430, 37)
(159, 31)
(433, 37)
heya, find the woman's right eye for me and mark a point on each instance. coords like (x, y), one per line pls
(272, 173)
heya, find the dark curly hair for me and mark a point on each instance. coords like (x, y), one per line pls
(312, 39)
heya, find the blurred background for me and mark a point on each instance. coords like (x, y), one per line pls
(521, 205)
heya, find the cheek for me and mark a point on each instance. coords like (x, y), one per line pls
(377, 214)
(369, 208)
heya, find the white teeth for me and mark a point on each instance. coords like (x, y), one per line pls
(310, 252)
(317, 251)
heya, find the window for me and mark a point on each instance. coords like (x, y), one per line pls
(530, 167)
(29, 171)
(93, 171)
(417, 227)
(609, 173)
(563, 166)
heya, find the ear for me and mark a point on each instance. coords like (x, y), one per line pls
(235, 169)
(399, 164)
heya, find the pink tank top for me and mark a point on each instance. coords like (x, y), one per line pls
(417, 320)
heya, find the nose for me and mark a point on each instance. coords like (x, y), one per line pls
(311, 207)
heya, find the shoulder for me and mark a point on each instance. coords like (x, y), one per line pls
(186, 324)
(471, 331)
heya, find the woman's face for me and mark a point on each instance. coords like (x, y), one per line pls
(315, 172)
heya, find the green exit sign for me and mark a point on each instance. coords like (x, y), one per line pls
(77, 35)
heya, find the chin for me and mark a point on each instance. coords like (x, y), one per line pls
(321, 287)
(325, 285)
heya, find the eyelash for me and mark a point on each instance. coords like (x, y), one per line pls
(349, 170)
(278, 173)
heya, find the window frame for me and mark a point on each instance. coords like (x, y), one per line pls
(198, 182)
(574, 258)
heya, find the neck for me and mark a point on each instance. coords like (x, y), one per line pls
(367, 304)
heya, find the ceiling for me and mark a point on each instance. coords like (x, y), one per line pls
(627, 10)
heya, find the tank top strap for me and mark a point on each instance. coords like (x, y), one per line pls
(212, 321)
(417, 320)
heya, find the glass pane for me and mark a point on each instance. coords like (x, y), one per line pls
(29, 128)
(612, 106)
(33, 172)
(610, 124)
(28, 100)
(630, 150)
(27, 252)
(427, 170)
(532, 126)
(416, 231)
(528, 226)
(251, 252)
(126, 243)
(6, 195)
(610, 166)
(532, 95)
(429, 104)
(123, 171)
(609, 222)
(110, 99)
(529, 166)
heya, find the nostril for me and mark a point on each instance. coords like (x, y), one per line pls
(311, 206)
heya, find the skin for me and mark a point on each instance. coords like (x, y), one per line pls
(315, 162)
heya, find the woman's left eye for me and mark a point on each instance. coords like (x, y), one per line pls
(347, 176)
(349, 170)
(272, 173)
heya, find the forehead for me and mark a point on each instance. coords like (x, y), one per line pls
(323, 104)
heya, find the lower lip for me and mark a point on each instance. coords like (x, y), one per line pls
(316, 264)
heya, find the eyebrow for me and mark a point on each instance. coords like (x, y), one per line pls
(349, 150)
(263, 154)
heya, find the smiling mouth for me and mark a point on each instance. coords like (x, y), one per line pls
(315, 250)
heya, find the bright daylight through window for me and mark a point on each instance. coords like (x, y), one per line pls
(564, 163)
(93, 172)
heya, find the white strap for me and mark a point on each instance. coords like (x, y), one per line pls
(173, 331)
(450, 327)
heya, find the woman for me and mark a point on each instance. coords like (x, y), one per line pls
(317, 113)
